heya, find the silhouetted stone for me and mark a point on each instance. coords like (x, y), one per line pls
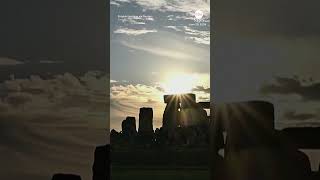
(183, 111)
(247, 123)
(303, 137)
(204, 105)
(179, 97)
(193, 116)
(265, 163)
(145, 121)
(129, 127)
(170, 114)
(114, 136)
(65, 177)
(100, 168)
(253, 149)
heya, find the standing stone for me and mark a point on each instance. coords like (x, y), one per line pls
(145, 121)
(129, 127)
(170, 114)
(250, 124)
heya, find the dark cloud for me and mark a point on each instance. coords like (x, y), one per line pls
(38, 31)
(287, 86)
(292, 115)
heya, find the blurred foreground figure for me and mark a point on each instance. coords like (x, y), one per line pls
(245, 145)
(101, 165)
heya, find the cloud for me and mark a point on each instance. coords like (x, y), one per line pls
(65, 94)
(134, 32)
(138, 93)
(200, 37)
(185, 6)
(4, 61)
(289, 86)
(160, 51)
(182, 6)
(64, 117)
(135, 20)
(126, 99)
(201, 89)
(176, 28)
(198, 40)
(292, 115)
(118, 2)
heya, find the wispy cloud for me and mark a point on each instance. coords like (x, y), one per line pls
(187, 6)
(176, 28)
(134, 32)
(201, 37)
(160, 51)
(134, 19)
(197, 36)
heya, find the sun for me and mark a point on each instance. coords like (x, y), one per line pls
(179, 83)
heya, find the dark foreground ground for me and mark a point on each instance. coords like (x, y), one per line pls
(159, 173)
(160, 165)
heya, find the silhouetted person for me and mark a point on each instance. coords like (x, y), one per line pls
(101, 169)
(60, 176)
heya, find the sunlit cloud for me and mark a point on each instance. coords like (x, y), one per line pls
(126, 100)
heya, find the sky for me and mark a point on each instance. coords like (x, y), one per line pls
(269, 50)
(157, 47)
(53, 87)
